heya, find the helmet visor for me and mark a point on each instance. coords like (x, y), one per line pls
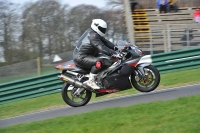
(103, 30)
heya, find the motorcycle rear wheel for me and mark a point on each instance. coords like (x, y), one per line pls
(151, 81)
(74, 100)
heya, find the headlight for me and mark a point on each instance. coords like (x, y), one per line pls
(139, 52)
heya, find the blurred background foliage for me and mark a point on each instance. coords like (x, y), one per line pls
(48, 27)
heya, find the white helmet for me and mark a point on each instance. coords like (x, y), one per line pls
(99, 26)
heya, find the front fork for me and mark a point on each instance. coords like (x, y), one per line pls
(140, 70)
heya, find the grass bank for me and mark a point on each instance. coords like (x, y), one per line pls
(176, 116)
(55, 100)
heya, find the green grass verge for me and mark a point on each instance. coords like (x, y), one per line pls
(191, 76)
(176, 116)
(55, 100)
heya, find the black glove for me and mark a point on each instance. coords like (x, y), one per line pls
(115, 48)
(116, 55)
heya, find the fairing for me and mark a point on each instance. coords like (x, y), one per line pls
(70, 65)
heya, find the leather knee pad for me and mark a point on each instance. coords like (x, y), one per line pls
(100, 65)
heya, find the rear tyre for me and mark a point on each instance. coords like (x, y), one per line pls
(68, 95)
(149, 83)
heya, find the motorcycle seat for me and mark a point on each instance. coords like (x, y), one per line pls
(70, 65)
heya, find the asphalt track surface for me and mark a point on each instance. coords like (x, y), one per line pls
(159, 95)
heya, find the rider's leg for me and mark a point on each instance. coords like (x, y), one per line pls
(95, 64)
(99, 66)
(92, 76)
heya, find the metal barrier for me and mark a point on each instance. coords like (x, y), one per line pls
(30, 88)
(177, 60)
(49, 84)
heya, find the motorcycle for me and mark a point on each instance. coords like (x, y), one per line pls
(131, 69)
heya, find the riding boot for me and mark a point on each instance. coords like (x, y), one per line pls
(91, 82)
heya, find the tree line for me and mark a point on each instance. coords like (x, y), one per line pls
(48, 27)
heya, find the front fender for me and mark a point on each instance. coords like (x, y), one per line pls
(145, 59)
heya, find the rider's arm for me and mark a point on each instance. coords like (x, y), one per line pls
(95, 41)
(108, 44)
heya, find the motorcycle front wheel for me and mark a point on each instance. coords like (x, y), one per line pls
(149, 83)
(71, 98)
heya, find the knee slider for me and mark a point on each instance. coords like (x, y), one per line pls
(99, 64)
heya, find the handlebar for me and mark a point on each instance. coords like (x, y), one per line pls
(117, 55)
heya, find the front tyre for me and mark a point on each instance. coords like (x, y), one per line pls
(149, 83)
(70, 96)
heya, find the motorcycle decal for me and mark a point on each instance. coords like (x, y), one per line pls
(60, 66)
(71, 65)
(133, 64)
(108, 90)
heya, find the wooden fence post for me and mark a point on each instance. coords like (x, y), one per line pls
(38, 66)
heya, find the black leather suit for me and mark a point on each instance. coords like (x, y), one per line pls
(87, 49)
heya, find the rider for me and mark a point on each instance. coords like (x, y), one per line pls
(89, 45)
